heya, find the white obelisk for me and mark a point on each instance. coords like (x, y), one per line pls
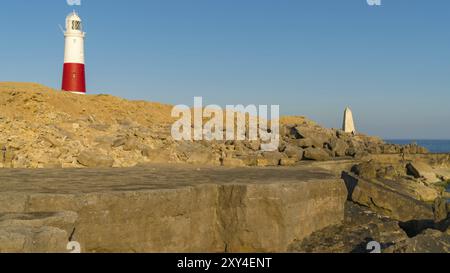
(349, 124)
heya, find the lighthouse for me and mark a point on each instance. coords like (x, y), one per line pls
(74, 72)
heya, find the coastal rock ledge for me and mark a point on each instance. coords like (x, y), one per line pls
(162, 208)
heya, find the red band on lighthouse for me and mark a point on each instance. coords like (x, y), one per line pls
(74, 78)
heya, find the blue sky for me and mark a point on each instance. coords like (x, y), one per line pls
(391, 64)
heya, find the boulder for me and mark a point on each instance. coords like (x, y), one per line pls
(233, 162)
(43, 232)
(338, 146)
(249, 159)
(422, 170)
(430, 241)
(440, 209)
(424, 192)
(388, 172)
(33, 240)
(315, 136)
(269, 159)
(382, 199)
(316, 154)
(304, 143)
(373, 169)
(367, 170)
(359, 228)
(286, 161)
(294, 152)
(95, 159)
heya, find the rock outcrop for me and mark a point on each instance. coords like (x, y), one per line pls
(360, 227)
(44, 128)
(430, 241)
(43, 232)
(164, 208)
(397, 204)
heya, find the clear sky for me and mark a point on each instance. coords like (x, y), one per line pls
(390, 64)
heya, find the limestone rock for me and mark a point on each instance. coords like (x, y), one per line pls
(250, 160)
(36, 232)
(33, 240)
(287, 161)
(293, 152)
(95, 159)
(372, 169)
(430, 241)
(359, 228)
(314, 137)
(171, 208)
(425, 193)
(440, 209)
(305, 143)
(269, 159)
(366, 170)
(339, 147)
(233, 162)
(316, 154)
(397, 204)
(422, 170)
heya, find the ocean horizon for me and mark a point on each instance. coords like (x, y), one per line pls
(433, 145)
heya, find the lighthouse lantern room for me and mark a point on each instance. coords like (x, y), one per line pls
(74, 71)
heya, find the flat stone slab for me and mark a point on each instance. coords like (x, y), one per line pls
(151, 177)
(174, 208)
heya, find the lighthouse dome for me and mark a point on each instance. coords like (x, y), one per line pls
(73, 23)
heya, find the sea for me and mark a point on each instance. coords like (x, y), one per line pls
(434, 146)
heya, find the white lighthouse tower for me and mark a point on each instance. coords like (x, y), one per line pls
(74, 70)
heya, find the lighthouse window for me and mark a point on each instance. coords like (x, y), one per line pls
(76, 25)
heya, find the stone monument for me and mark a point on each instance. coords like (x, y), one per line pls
(348, 125)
